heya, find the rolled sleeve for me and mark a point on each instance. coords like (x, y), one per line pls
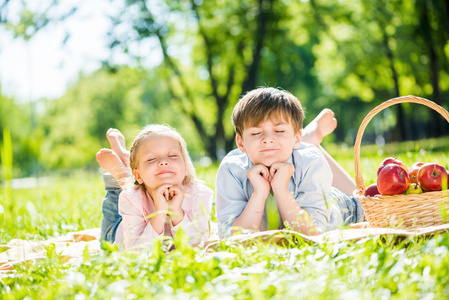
(314, 191)
(230, 199)
(137, 232)
(196, 218)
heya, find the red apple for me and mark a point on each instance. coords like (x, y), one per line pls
(372, 190)
(391, 160)
(392, 180)
(430, 176)
(413, 172)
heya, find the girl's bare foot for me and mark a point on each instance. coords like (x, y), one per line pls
(117, 141)
(321, 126)
(111, 163)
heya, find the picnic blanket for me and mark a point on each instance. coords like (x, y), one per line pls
(73, 245)
(70, 246)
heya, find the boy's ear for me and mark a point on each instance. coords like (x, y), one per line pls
(239, 142)
(137, 176)
(298, 138)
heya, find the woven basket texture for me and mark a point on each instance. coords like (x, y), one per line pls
(401, 211)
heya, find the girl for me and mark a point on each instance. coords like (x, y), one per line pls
(166, 195)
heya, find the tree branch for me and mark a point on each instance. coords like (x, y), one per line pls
(265, 7)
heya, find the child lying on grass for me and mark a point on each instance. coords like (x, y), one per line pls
(165, 195)
(272, 163)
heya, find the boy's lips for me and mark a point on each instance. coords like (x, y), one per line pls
(269, 150)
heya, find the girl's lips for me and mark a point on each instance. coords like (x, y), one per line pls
(268, 150)
(164, 172)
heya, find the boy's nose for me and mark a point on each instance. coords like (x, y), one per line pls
(267, 138)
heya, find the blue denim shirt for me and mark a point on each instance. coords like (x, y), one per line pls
(310, 184)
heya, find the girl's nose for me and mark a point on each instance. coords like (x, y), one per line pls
(163, 162)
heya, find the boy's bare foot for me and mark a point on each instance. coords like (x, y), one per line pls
(321, 126)
(111, 163)
(117, 141)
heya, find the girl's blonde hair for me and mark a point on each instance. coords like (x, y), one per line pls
(164, 130)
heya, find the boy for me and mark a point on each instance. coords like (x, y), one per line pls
(271, 162)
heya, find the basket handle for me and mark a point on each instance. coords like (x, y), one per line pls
(358, 173)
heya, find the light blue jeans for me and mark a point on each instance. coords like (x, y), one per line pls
(111, 218)
(351, 209)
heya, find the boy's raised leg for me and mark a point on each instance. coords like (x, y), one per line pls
(341, 179)
(117, 141)
(111, 163)
(323, 124)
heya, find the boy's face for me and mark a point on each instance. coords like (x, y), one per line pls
(271, 141)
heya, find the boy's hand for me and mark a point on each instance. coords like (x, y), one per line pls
(260, 179)
(280, 174)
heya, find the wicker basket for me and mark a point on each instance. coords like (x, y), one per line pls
(400, 211)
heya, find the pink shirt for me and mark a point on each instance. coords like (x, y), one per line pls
(136, 232)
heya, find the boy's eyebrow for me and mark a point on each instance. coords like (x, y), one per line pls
(274, 122)
(280, 122)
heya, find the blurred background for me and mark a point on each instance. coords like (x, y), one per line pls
(69, 70)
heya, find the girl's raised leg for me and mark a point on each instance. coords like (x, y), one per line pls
(117, 141)
(111, 163)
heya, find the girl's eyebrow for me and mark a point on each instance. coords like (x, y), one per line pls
(148, 154)
(167, 151)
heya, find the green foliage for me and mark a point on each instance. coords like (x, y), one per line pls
(55, 207)
(75, 123)
(371, 268)
(6, 155)
(21, 122)
(128, 99)
(345, 55)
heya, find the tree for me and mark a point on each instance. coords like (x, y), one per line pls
(75, 124)
(225, 40)
(346, 55)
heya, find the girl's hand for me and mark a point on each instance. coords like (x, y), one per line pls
(260, 179)
(176, 197)
(280, 174)
(161, 196)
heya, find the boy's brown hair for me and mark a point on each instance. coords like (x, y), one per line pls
(263, 103)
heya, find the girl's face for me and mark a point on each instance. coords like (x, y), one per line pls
(160, 161)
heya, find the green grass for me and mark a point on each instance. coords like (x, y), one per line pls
(372, 268)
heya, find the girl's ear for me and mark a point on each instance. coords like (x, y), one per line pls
(137, 176)
(239, 142)
(298, 138)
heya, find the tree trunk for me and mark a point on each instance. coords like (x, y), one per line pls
(265, 7)
(436, 121)
(400, 132)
